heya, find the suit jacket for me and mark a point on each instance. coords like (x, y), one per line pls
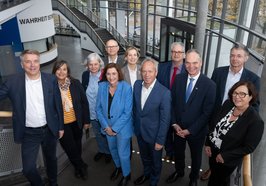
(164, 71)
(14, 88)
(125, 72)
(195, 113)
(80, 102)
(152, 123)
(120, 60)
(85, 79)
(242, 138)
(121, 108)
(219, 76)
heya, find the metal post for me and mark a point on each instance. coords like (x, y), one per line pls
(202, 9)
(143, 30)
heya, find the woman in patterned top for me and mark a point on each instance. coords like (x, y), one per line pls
(76, 116)
(235, 132)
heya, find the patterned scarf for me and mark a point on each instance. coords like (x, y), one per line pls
(64, 88)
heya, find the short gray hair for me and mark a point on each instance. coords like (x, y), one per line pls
(155, 63)
(94, 56)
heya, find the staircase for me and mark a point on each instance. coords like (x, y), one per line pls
(99, 30)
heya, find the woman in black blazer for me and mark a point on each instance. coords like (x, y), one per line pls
(76, 116)
(235, 132)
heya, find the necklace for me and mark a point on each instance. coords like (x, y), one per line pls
(236, 115)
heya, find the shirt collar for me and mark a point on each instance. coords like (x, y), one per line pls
(240, 71)
(151, 86)
(195, 77)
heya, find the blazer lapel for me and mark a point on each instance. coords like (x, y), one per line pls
(150, 97)
(22, 90)
(45, 89)
(223, 82)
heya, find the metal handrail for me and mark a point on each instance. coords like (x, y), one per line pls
(5, 114)
(81, 25)
(247, 171)
(102, 23)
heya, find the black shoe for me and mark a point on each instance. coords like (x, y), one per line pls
(173, 177)
(140, 180)
(115, 174)
(193, 183)
(124, 180)
(77, 174)
(98, 156)
(83, 173)
(108, 158)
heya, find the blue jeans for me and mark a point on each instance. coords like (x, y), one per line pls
(33, 139)
(100, 138)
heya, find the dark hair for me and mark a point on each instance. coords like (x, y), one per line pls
(29, 51)
(58, 64)
(251, 90)
(112, 65)
(239, 46)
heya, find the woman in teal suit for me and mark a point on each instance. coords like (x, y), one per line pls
(114, 110)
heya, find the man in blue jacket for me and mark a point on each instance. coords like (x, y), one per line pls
(37, 116)
(151, 114)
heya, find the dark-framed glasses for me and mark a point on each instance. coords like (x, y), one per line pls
(240, 94)
(177, 52)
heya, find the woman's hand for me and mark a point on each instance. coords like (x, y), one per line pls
(109, 131)
(87, 126)
(208, 151)
(219, 159)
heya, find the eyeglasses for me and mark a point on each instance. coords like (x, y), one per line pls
(177, 52)
(108, 47)
(240, 94)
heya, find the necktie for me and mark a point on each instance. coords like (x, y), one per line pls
(189, 88)
(173, 77)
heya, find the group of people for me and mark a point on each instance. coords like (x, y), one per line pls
(167, 105)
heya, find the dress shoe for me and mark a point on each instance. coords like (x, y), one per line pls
(116, 173)
(205, 175)
(173, 177)
(77, 174)
(83, 173)
(108, 158)
(140, 180)
(193, 183)
(124, 180)
(98, 156)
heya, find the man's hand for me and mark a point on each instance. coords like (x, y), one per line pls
(176, 127)
(158, 146)
(61, 133)
(183, 133)
(109, 131)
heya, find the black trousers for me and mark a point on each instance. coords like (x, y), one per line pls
(71, 143)
(220, 175)
(195, 145)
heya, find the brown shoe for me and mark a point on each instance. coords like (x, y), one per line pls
(205, 175)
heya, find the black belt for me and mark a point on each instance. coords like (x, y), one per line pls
(42, 127)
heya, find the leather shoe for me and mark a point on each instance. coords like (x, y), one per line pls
(170, 158)
(98, 156)
(116, 173)
(193, 183)
(173, 177)
(108, 158)
(124, 180)
(140, 180)
(83, 173)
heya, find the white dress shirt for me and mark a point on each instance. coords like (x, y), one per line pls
(232, 78)
(145, 92)
(35, 111)
(132, 75)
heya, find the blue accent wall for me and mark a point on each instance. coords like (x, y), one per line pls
(9, 35)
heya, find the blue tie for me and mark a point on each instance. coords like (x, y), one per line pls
(189, 88)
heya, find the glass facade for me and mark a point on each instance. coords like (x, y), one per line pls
(229, 21)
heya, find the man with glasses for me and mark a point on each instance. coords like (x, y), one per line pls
(225, 77)
(112, 49)
(166, 76)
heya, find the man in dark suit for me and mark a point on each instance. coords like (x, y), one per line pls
(225, 77)
(193, 96)
(151, 114)
(37, 116)
(166, 75)
(112, 49)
